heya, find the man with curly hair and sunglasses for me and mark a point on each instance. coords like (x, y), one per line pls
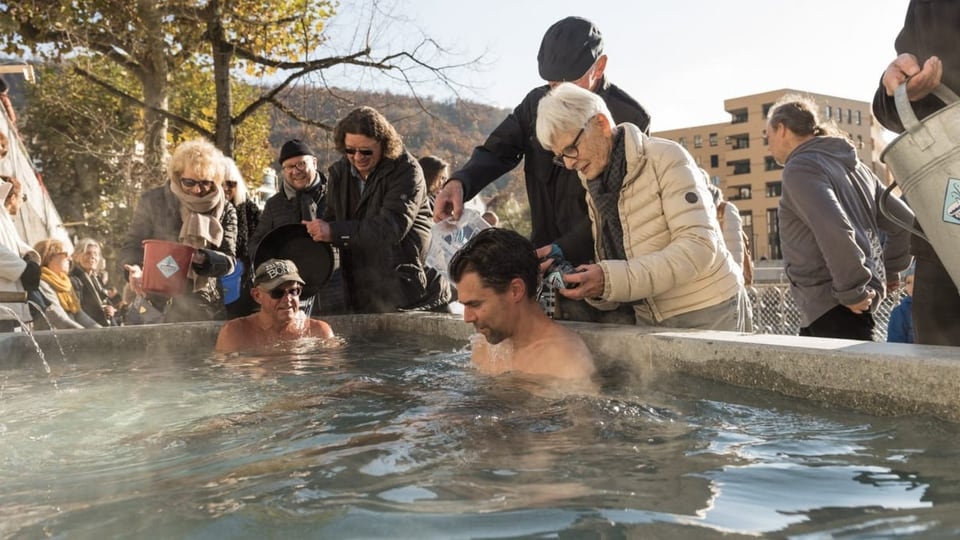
(277, 286)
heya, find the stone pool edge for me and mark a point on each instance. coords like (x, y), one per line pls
(876, 378)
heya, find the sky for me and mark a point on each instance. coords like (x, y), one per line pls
(679, 58)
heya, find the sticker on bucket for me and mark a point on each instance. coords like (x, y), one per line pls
(951, 202)
(168, 266)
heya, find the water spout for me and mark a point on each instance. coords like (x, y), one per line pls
(37, 308)
(26, 330)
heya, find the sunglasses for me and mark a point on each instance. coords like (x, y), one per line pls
(363, 151)
(279, 293)
(190, 183)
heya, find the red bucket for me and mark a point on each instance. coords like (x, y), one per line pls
(165, 267)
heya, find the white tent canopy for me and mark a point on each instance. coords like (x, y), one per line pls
(38, 218)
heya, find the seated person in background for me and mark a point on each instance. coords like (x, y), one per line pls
(496, 273)
(900, 325)
(85, 276)
(655, 234)
(63, 305)
(276, 288)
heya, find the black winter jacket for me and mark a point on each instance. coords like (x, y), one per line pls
(931, 28)
(279, 210)
(558, 207)
(383, 235)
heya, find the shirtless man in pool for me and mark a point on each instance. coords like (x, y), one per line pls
(276, 288)
(496, 273)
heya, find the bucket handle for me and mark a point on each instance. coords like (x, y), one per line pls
(905, 110)
(887, 213)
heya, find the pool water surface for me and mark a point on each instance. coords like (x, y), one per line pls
(397, 437)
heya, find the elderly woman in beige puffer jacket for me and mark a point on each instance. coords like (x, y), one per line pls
(654, 228)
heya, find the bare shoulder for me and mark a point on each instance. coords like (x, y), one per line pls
(560, 353)
(319, 328)
(233, 335)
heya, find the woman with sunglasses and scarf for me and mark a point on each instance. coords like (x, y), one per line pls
(189, 208)
(656, 237)
(379, 215)
(63, 310)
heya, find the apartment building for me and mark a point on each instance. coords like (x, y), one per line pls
(735, 156)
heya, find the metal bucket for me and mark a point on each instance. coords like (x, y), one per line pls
(925, 162)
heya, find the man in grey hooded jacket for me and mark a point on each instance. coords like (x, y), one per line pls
(838, 262)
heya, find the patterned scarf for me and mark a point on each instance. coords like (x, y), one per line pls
(605, 192)
(61, 284)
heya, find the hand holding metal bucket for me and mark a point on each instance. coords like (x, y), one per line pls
(925, 162)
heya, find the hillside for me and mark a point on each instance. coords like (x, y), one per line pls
(449, 130)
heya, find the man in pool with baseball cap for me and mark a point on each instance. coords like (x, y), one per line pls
(276, 288)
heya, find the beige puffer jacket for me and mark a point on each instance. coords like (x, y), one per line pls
(677, 262)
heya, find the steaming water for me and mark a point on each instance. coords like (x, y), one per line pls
(401, 439)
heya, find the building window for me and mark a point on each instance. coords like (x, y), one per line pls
(766, 109)
(773, 233)
(740, 167)
(829, 112)
(715, 180)
(849, 116)
(713, 139)
(739, 117)
(858, 118)
(770, 164)
(743, 193)
(714, 161)
(774, 189)
(839, 115)
(741, 141)
(746, 221)
(682, 142)
(697, 141)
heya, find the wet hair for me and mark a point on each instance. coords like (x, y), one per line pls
(435, 172)
(368, 122)
(799, 114)
(567, 108)
(205, 158)
(498, 256)
(232, 173)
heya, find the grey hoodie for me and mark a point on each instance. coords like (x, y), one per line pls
(830, 228)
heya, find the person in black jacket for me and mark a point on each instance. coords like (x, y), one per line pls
(928, 55)
(378, 215)
(302, 197)
(190, 209)
(571, 51)
(248, 216)
(85, 275)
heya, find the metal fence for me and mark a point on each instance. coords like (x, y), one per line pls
(776, 312)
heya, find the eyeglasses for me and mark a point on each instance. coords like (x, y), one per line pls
(190, 183)
(279, 293)
(230, 184)
(363, 151)
(301, 166)
(570, 151)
